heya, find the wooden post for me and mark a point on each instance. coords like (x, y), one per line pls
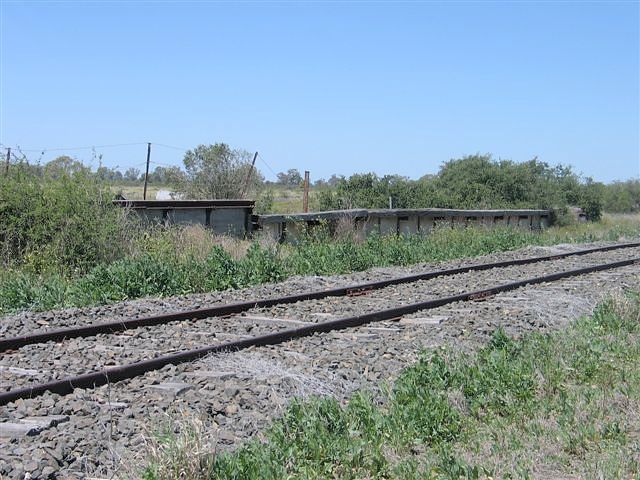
(6, 167)
(146, 173)
(305, 198)
(246, 182)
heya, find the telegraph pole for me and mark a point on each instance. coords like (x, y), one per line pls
(246, 182)
(146, 173)
(6, 167)
(305, 198)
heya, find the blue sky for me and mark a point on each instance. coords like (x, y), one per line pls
(327, 87)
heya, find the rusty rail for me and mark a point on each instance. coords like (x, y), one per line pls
(123, 372)
(57, 335)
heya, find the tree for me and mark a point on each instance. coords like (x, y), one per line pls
(64, 165)
(132, 174)
(291, 179)
(217, 171)
(623, 197)
(167, 176)
(107, 174)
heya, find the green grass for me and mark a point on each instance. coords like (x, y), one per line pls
(182, 261)
(543, 406)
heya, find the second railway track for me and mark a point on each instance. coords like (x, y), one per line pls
(23, 372)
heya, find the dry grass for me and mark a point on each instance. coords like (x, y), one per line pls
(198, 240)
(260, 367)
(183, 447)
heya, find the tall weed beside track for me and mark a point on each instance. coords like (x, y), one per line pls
(177, 261)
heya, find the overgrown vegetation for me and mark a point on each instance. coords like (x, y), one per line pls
(61, 221)
(622, 197)
(552, 405)
(63, 243)
(473, 182)
(176, 261)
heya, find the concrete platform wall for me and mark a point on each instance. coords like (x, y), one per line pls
(398, 221)
(224, 217)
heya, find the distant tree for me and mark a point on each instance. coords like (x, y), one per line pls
(167, 176)
(321, 182)
(132, 174)
(282, 178)
(107, 174)
(218, 171)
(622, 197)
(64, 165)
(333, 180)
(291, 178)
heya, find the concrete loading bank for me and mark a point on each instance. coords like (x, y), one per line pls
(396, 221)
(235, 217)
(224, 217)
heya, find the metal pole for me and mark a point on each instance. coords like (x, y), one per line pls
(246, 182)
(146, 173)
(305, 198)
(6, 167)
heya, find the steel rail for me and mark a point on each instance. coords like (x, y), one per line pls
(123, 372)
(13, 343)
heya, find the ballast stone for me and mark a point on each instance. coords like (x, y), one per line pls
(30, 426)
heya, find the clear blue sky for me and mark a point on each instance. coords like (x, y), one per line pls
(328, 87)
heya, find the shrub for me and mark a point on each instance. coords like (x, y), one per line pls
(475, 181)
(64, 223)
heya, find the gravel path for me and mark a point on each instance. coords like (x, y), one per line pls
(237, 394)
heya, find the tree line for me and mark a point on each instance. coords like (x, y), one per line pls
(471, 182)
(479, 182)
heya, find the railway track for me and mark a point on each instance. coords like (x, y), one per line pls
(84, 432)
(102, 355)
(30, 338)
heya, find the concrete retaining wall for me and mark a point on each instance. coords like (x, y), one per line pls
(224, 217)
(396, 221)
(234, 217)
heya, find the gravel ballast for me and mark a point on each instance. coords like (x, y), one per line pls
(237, 394)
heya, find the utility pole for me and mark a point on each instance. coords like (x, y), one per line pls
(305, 198)
(246, 182)
(6, 167)
(146, 173)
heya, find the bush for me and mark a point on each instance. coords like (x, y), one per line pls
(64, 223)
(472, 182)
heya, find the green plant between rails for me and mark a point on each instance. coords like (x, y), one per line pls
(178, 261)
(563, 403)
